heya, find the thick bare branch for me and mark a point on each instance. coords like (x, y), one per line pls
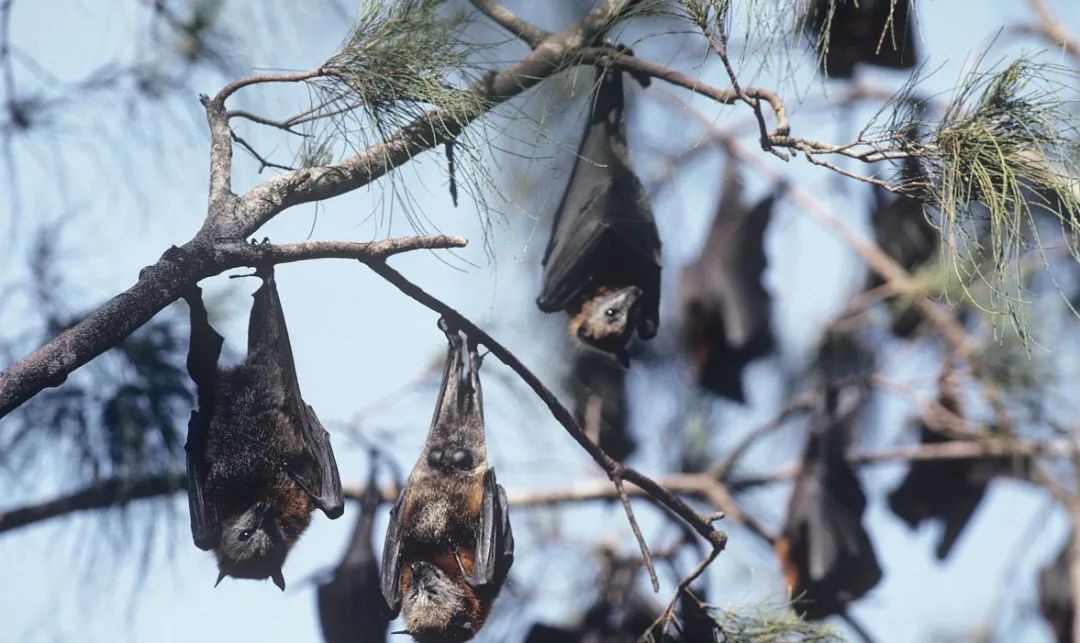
(530, 33)
(158, 286)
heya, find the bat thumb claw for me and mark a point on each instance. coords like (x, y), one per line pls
(220, 577)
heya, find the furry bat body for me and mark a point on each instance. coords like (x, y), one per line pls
(950, 490)
(258, 460)
(726, 309)
(826, 555)
(349, 602)
(449, 546)
(602, 264)
(871, 32)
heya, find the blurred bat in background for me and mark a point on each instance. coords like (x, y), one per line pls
(949, 490)
(1055, 594)
(871, 32)
(258, 460)
(619, 614)
(602, 263)
(449, 546)
(350, 601)
(825, 553)
(599, 388)
(726, 309)
(902, 231)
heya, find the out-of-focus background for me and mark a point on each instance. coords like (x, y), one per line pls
(103, 165)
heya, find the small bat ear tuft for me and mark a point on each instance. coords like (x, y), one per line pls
(220, 577)
(278, 578)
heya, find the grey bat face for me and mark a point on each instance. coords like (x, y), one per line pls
(436, 604)
(252, 546)
(607, 320)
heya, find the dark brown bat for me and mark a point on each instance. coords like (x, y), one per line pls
(825, 553)
(258, 460)
(903, 232)
(449, 546)
(619, 614)
(726, 309)
(602, 264)
(871, 32)
(350, 601)
(599, 387)
(1055, 594)
(949, 490)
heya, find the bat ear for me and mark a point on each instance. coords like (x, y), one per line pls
(220, 577)
(278, 578)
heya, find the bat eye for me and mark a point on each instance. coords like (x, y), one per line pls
(435, 457)
(460, 457)
(610, 313)
(244, 535)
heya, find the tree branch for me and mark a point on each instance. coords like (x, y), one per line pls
(1051, 29)
(615, 470)
(523, 29)
(158, 286)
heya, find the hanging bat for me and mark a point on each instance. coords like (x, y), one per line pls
(871, 32)
(726, 310)
(949, 490)
(903, 232)
(599, 387)
(825, 553)
(1055, 594)
(350, 602)
(258, 460)
(602, 263)
(449, 545)
(619, 614)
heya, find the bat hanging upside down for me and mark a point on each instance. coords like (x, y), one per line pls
(258, 460)
(602, 264)
(449, 545)
(350, 600)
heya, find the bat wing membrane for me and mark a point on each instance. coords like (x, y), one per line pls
(203, 354)
(390, 574)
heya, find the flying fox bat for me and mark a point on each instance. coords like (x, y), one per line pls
(726, 310)
(599, 386)
(619, 614)
(825, 553)
(871, 32)
(258, 460)
(1055, 595)
(947, 489)
(903, 232)
(350, 601)
(602, 263)
(449, 546)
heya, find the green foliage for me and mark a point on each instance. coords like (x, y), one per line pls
(397, 59)
(1005, 149)
(750, 625)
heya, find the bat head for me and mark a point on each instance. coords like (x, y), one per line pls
(253, 546)
(607, 319)
(437, 607)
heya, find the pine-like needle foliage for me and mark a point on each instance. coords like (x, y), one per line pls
(1006, 148)
(396, 62)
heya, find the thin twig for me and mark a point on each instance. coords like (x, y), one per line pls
(615, 470)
